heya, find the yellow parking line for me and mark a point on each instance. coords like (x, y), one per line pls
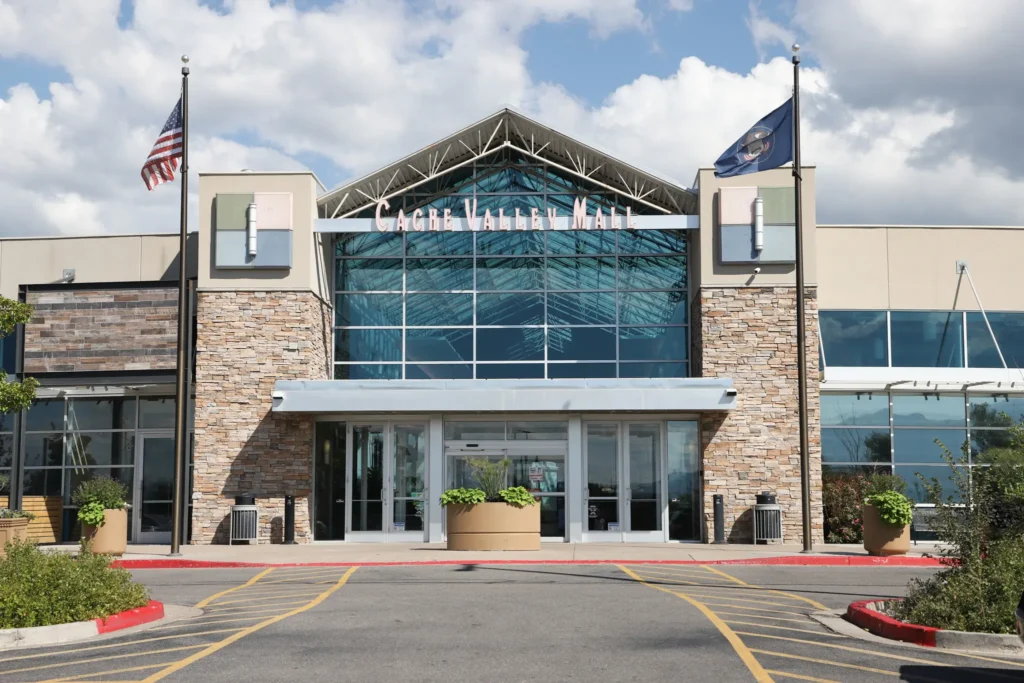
(216, 647)
(113, 645)
(755, 609)
(801, 677)
(825, 661)
(82, 677)
(246, 610)
(205, 602)
(845, 648)
(795, 596)
(691, 575)
(284, 577)
(100, 659)
(207, 623)
(266, 598)
(761, 616)
(755, 668)
(785, 628)
(726, 597)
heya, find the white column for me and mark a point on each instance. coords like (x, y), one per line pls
(575, 480)
(435, 480)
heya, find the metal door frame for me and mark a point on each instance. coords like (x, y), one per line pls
(137, 535)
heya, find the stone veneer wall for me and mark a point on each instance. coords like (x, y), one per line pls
(748, 334)
(245, 342)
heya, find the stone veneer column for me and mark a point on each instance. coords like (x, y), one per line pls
(245, 342)
(748, 334)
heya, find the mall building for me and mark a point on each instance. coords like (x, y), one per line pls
(627, 341)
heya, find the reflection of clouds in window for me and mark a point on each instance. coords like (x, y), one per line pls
(854, 338)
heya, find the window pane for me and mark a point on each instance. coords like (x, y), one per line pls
(918, 445)
(438, 243)
(100, 448)
(508, 203)
(831, 471)
(934, 410)
(847, 410)
(510, 371)
(367, 345)
(439, 371)
(581, 343)
(439, 275)
(995, 411)
(510, 344)
(366, 275)
(509, 309)
(581, 273)
(6, 451)
(652, 343)
(1009, 331)
(510, 273)
(538, 474)
(110, 413)
(514, 243)
(369, 244)
(367, 372)
(855, 445)
(44, 450)
(157, 413)
(652, 370)
(438, 309)
(652, 308)
(854, 338)
(581, 308)
(916, 490)
(45, 416)
(474, 431)
(125, 475)
(581, 370)
(511, 180)
(581, 242)
(368, 310)
(985, 443)
(42, 482)
(539, 430)
(652, 272)
(926, 339)
(439, 345)
(652, 241)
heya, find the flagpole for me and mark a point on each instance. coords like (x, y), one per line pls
(181, 387)
(801, 331)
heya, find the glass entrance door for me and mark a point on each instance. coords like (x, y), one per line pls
(154, 489)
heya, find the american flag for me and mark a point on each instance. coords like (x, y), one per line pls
(165, 157)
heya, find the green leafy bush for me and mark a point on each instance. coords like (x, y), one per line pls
(92, 514)
(843, 495)
(5, 482)
(16, 514)
(881, 482)
(96, 495)
(491, 475)
(893, 507)
(517, 496)
(462, 497)
(44, 588)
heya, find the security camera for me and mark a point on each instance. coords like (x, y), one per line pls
(730, 392)
(757, 270)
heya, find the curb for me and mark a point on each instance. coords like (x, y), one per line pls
(80, 630)
(788, 560)
(866, 615)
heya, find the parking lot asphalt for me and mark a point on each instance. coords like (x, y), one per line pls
(511, 623)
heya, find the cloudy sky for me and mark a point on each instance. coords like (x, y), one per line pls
(910, 107)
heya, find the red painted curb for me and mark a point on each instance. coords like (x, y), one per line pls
(883, 625)
(133, 617)
(790, 560)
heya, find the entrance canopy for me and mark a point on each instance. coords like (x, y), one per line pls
(528, 396)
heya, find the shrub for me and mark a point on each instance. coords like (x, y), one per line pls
(517, 496)
(881, 482)
(95, 496)
(491, 475)
(462, 497)
(893, 507)
(5, 481)
(16, 514)
(44, 588)
(842, 500)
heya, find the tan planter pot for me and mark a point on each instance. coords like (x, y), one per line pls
(881, 538)
(11, 529)
(112, 537)
(493, 526)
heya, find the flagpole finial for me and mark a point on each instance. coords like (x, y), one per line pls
(796, 53)
(184, 65)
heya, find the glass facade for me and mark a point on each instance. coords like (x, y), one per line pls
(511, 305)
(929, 339)
(900, 433)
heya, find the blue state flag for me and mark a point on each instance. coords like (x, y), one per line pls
(768, 144)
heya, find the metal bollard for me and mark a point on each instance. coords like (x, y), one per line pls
(719, 518)
(289, 520)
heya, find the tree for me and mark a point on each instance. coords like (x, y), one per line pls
(15, 396)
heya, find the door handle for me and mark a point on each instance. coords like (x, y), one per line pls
(340, 500)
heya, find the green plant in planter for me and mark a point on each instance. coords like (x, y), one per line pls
(893, 507)
(517, 496)
(95, 496)
(491, 475)
(462, 497)
(16, 514)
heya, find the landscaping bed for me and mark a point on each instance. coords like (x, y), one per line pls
(878, 617)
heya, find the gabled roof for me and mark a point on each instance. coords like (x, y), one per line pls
(509, 128)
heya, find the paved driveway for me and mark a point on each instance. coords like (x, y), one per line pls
(497, 623)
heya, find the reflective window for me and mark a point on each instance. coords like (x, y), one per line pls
(510, 371)
(154, 413)
(1009, 332)
(581, 370)
(439, 244)
(926, 339)
(849, 410)
(516, 243)
(109, 413)
(652, 343)
(923, 445)
(540, 430)
(509, 274)
(652, 308)
(369, 275)
(581, 343)
(439, 371)
(438, 310)
(854, 338)
(439, 275)
(445, 345)
(581, 308)
(843, 445)
(474, 431)
(929, 410)
(1000, 411)
(45, 416)
(370, 244)
(581, 273)
(368, 345)
(504, 344)
(916, 490)
(510, 309)
(368, 310)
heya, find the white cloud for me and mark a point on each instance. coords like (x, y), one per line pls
(680, 5)
(765, 32)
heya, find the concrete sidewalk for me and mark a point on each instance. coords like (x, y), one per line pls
(419, 553)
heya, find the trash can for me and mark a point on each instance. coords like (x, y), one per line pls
(767, 519)
(247, 499)
(245, 520)
(763, 498)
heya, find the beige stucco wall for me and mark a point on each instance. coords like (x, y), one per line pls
(710, 273)
(305, 273)
(110, 258)
(915, 267)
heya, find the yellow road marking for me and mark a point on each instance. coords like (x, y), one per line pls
(267, 598)
(801, 677)
(726, 597)
(81, 677)
(691, 575)
(216, 647)
(826, 661)
(245, 610)
(845, 648)
(815, 603)
(785, 628)
(756, 670)
(100, 659)
(207, 601)
(112, 645)
(754, 609)
(207, 623)
(288, 577)
(760, 616)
